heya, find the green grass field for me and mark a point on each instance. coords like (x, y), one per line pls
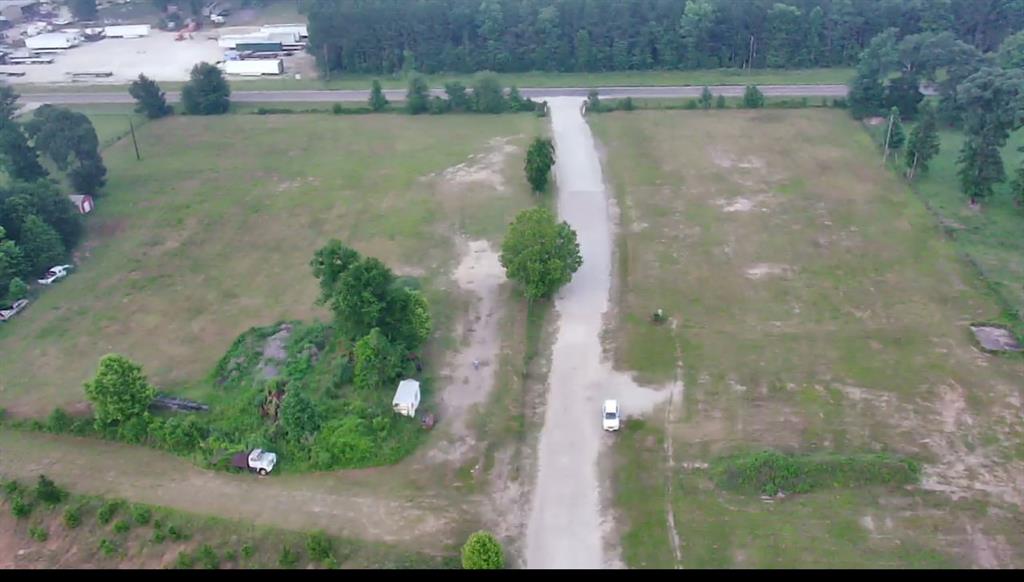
(537, 79)
(213, 232)
(815, 306)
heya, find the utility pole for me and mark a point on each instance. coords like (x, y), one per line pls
(138, 157)
(888, 134)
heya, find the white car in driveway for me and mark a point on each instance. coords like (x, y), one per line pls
(9, 312)
(55, 273)
(611, 418)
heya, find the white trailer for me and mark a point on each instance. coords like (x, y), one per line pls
(52, 41)
(407, 398)
(127, 31)
(231, 41)
(253, 67)
(301, 30)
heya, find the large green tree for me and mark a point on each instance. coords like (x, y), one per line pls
(11, 261)
(540, 253)
(207, 91)
(40, 245)
(378, 361)
(8, 102)
(69, 139)
(119, 392)
(149, 99)
(980, 168)
(17, 157)
(488, 94)
(300, 417)
(923, 144)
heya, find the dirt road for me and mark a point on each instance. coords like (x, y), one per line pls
(567, 527)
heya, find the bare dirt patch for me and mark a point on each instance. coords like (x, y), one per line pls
(484, 168)
(764, 270)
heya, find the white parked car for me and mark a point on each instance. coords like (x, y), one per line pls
(55, 273)
(9, 312)
(611, 419)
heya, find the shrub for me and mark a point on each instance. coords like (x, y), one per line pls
(177, 534)
(247, 551)
(58, 421)
(753, 98)
(107, 511)
(107, 547)
(141, 514)
(690, 104)
(48, 492)
(184, 561)
(720, 102)
(11, 487)
(319, 546)
(331, 563)
(38, 533)
(158, 537)
(230, 556)
(337, 109)
(288, 558)
(482, 552)
(772, 472)
(72, 517)
(627, 104)
(208, 557)
(122, 526)
(20, 508)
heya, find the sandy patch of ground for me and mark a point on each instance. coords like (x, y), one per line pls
(469, 373)
(482, 169)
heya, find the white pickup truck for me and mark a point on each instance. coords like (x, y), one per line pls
(256, 460)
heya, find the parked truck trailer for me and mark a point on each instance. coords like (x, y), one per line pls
(253, 67)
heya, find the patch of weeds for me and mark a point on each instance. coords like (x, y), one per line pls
(772, 472)
(107, 547)
(141, 514)
(330, 563)
(107, 512)
(72, 517)
(207, 557)
(247, 551)
(288, 558)
(38, 533)
(230, 556)
(122, 526)
(158, 537)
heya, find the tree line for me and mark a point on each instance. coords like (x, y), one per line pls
(39, 225)
(430, 36)
(980, 93)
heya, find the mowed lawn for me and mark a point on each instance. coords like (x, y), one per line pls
(213, 231)
(815, 307)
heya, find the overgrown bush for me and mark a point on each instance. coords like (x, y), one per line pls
(38, 533)
(177, 534)
(122, 526)
(141, 514)
(482, 552)
(11, 487)
(20, 508)
(247, 551)
(319, 546)
(184, 561)
(288, 558)
(72, 517)
(107, 547)
(772, 472)
(107, 511)
(158, 536)
(230, 556)
(59, 421)
(48, 492)
(207, 557)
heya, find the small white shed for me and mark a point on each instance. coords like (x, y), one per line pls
(407, 398)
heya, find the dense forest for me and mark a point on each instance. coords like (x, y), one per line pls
(386, 36)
